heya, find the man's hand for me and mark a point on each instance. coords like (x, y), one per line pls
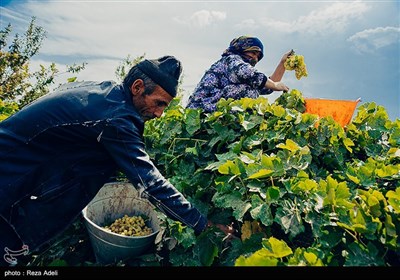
(228, 230)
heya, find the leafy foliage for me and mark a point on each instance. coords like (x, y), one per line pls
(297, 193)
(328, 194)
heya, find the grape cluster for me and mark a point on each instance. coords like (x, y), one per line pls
(296, 62)
(130, 226)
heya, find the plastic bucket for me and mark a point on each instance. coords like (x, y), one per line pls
(113, 201)
(340, 110)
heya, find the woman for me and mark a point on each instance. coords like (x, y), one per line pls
(234, 75)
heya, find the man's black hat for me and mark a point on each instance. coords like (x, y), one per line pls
(164, 71)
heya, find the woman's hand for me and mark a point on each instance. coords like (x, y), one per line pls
(281, 86)
(286, 55)
(280, 70)
(276, 86)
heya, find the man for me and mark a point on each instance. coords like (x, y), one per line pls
(57, 152)
(234, 75)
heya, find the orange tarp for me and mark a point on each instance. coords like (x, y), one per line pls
(340, 110)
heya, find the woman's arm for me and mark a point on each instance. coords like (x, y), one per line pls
(280, 69)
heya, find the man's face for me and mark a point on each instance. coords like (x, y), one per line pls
(149, 106)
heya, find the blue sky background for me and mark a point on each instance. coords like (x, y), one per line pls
(351, 48)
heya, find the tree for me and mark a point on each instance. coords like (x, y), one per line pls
(18, 84)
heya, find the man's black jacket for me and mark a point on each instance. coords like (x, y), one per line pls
(57, 152)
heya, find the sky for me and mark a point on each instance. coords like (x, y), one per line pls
(351, 48)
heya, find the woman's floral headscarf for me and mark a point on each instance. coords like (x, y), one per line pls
(244, 44)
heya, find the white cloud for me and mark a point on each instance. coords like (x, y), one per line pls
(202, 18)
(333, 18)
(247, 24)
(370, 40)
